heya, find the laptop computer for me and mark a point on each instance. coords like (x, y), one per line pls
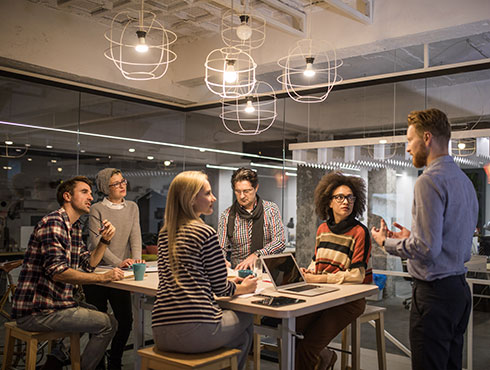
(288, 278)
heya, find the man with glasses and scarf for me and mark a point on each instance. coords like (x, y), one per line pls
(251, 227)
(56, 259)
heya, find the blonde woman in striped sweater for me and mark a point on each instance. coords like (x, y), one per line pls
(191, 269)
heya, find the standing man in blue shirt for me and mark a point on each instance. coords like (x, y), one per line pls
(444, 217)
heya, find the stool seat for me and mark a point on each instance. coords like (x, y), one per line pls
(370, 313)
(32, 338)
(222, 358)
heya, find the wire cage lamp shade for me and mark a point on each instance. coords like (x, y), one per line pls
(242, 30)
(139, 45)
(463, 147)
(310, 64)
(230, 72)
(253, 114)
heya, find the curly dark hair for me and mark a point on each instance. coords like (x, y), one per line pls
(244, 174)
(330, 182)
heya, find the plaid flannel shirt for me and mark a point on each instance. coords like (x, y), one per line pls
(54, 246)
(240, 246)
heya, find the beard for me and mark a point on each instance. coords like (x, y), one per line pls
(420, 158)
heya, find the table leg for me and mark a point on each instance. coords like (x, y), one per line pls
(287, 343)
(138, 328)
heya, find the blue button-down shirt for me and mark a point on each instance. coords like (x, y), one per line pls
(444, 217)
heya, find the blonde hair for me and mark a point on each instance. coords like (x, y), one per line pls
(179, 209)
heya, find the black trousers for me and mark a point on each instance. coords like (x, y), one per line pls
(438, 320)
(120, 301)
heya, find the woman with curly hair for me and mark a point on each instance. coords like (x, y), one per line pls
(342, 252)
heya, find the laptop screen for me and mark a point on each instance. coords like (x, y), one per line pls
(283, 270)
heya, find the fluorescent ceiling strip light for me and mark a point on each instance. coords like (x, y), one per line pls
(181, 146)
(221, 167)
(350, 168)
(291, 174)
(273, 166)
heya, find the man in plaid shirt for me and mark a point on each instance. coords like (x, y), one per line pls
(251, 227)
(52, 264)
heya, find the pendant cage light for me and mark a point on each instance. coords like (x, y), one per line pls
(463, 147)
(230, 72)
(252, 114)
(384, 150)
(242, 30)
(139, 45)
(310, 64)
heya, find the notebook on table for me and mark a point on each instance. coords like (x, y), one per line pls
(287, 277)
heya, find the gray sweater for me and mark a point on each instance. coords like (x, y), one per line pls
(126, 242)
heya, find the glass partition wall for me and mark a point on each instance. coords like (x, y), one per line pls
(49, 134)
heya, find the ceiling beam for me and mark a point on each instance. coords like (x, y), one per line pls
(363, 11)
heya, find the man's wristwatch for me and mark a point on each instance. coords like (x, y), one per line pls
(104, 241)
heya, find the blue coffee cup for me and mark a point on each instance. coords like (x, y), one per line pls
(244, 273)
(139, 270)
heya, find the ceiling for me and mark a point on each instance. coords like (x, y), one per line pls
(360, 110)
(189, 19)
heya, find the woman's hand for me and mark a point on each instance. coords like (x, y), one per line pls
(247, 285)
(315, 278)
(128, 262)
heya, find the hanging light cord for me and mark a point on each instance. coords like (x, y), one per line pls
(141, 15)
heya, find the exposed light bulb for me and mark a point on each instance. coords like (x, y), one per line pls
(150, 157)
(461, 145)
(8, 142)
(309, 71)
(230, 74)
(141, 47)
(249, 108)
(167, 163)
(131, 150)
(244, 31)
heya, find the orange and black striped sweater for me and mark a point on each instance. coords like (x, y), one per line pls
(344, 257)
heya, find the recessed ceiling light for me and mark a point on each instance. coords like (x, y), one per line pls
(150, 157)
(7, 167)
(27, 145)
(60, 169)
(17, 150)
(167, 163)
(49, 147)
(383, 141)
(9, 142)
(29, 159)
(53, 160)
(82, 150)
(131, 150)
(97, 159)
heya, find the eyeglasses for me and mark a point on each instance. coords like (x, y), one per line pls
(245, 192)
(119, 183)
(102, 227)
(341, 197)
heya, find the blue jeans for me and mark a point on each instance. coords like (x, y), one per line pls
(235, 330)
(78, 319)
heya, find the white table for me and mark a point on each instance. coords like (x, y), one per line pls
(346, 293)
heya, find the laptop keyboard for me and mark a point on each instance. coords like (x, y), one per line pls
(303, 288)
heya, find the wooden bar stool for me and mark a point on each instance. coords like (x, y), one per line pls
(370, 313)
(32, 338)
(222, 358)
